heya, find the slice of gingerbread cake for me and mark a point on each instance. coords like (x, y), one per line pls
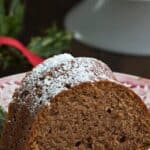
(69, 103)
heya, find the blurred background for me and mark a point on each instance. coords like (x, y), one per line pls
(115, 31)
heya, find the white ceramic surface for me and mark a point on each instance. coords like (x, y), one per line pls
(121, 26)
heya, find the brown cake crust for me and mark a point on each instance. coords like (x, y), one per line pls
(95, 114)
(128, 125)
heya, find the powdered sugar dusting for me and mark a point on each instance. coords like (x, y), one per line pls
(57, 74)
(52, 62)
(141, 86)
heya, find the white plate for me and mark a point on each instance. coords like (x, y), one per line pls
(140, 85)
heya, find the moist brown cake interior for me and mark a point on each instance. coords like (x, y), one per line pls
(91, 116)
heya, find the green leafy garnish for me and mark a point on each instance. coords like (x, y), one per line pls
(3, 116)
(10, 23)
(54, 42)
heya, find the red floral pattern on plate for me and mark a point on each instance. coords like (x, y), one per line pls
(140, 85)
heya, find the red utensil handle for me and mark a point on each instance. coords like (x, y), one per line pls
(32, 58)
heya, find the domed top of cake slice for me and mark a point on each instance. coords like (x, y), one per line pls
(57, 74)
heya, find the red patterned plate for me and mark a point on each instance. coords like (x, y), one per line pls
(140, 85)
